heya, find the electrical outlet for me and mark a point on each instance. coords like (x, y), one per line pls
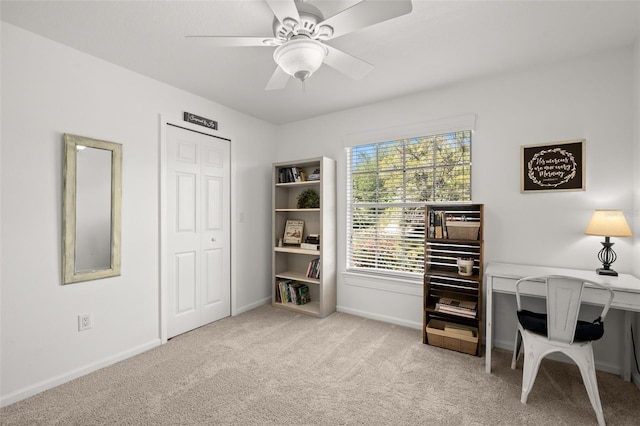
(84, 322)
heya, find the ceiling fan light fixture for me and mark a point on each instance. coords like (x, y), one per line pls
(300, 57)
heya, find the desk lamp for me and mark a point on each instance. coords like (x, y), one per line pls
(608, 223)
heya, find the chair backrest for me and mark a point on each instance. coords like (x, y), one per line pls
(563, 299)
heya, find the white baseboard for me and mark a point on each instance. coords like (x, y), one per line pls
(251, 306)
(384, 318)
(74, 374)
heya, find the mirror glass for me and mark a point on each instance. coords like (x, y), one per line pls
(93, 208)
(91, 216)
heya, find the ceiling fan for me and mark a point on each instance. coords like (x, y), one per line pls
(299, 33)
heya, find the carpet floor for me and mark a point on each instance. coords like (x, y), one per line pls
(273, 367)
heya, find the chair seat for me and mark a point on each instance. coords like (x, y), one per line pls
(537, 323)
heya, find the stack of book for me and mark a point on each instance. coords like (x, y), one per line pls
(312, 242)
(437, 224)
(291, 174)
(289, 291)
(300, 294)
(463, 308)
(313, 270)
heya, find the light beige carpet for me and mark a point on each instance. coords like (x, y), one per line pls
(270, 366)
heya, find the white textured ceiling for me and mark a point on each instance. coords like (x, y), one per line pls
(439, 43)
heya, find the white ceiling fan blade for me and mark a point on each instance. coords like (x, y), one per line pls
(278, 80)
(284, 9)
(231, 41)
(366, 13)
(347, 64)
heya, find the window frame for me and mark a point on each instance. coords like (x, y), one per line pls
(445, 126)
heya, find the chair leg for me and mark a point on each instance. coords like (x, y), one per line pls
(585, 362)
(516, 350)
(530, 368)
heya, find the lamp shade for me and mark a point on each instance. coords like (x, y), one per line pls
(300, 57)
(608, 223)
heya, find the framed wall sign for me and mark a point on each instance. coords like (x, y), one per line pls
(557, 166)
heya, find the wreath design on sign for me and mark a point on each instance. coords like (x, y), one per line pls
(561, 152)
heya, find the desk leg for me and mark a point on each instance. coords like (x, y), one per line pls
(626, 354)
(489, 324)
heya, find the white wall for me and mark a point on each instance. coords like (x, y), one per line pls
(588, 98)
(48, 90)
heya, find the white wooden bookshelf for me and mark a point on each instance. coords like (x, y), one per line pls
(290, 262)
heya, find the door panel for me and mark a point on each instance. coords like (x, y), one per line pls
(185, 278)
(214, 205)
(186, 202)
(186, 152)
(214, 157)
(213, 274)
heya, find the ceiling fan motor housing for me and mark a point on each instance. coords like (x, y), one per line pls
(308, 26)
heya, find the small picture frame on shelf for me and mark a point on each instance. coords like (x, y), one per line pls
(293, 231)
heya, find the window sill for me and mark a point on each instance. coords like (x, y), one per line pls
(408, 286)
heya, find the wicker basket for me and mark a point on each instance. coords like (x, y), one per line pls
(463, 230)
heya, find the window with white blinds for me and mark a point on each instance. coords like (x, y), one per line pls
(388, 184)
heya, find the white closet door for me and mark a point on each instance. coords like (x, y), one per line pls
(198, 234)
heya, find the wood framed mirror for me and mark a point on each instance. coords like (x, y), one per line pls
(91, 213)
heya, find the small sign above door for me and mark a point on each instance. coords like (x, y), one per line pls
(200, 121)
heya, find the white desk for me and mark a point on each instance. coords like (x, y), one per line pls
(501, 278)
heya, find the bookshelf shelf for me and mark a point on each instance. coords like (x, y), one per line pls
(311, 308)
(452, 301)
(432, 309)
(442, 271)
(304, 183)
(297, 210)
(296, 250)
(297, 276)
(290, 263)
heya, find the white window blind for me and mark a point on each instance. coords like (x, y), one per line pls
(388, 184)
